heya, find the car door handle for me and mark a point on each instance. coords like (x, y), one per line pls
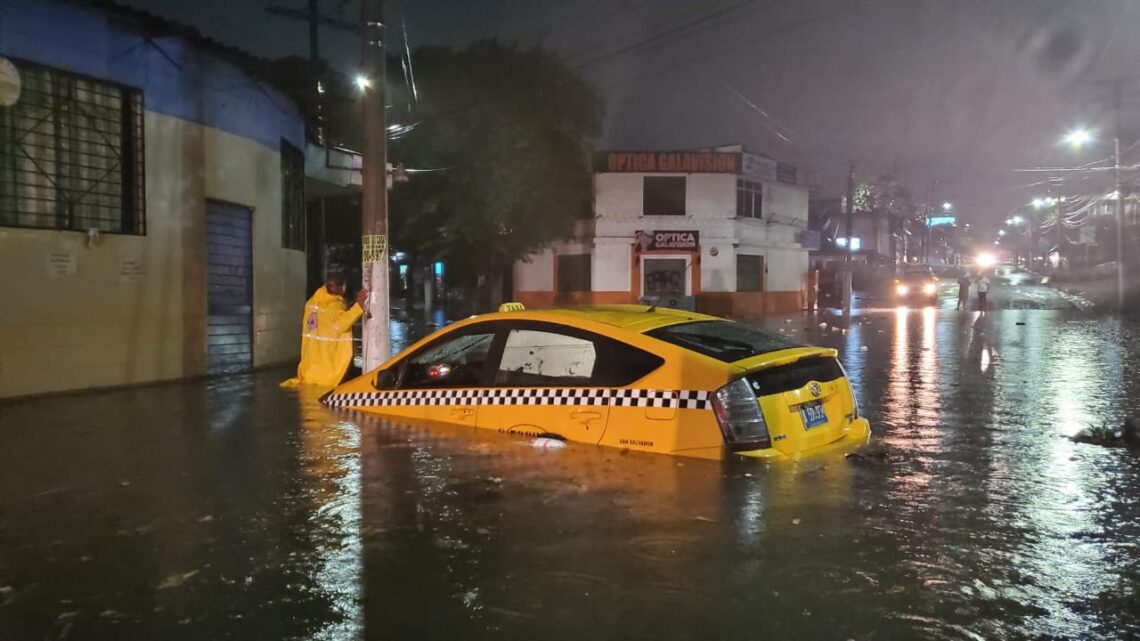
(585, 415)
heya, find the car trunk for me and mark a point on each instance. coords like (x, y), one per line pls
(804, 395)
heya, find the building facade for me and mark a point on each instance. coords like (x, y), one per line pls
(151, 203)
(721, 230)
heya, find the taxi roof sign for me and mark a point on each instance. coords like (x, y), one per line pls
(511, 307)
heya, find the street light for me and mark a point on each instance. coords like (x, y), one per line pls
(1078, 137)
(947, 206)
(362, 82)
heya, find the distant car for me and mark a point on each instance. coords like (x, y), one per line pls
(628, 376)
(916, 284)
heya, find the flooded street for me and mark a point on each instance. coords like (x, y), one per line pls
(233, 509)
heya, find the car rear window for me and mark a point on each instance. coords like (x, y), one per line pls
(722, 340)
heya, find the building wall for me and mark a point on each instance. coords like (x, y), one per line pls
(711, 210)
(134, 310)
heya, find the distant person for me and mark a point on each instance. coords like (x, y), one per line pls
(326, 334)
(983, 289)
(963, 291)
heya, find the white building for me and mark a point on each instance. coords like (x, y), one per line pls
(719, 229)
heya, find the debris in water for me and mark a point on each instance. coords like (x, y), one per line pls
(796, 521)
(1127, 435)
(206, 519)
(175, 580)
(547, 443)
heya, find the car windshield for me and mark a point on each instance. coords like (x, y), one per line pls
(917, 272)
(723, 340)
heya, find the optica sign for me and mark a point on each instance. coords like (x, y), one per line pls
(682, 240)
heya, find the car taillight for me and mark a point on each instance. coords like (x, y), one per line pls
(741, 420)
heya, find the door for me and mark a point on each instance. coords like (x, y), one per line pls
(543, 385)
(229, 288)
(440, 382)
(665, 278)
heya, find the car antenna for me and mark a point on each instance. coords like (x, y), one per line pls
(653, 307)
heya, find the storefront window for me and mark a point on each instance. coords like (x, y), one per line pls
(749, 273)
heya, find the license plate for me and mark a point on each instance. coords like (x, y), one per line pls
(813, 414)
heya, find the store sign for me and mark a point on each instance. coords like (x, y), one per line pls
(758, 167)
(667, 162)
(689, 241)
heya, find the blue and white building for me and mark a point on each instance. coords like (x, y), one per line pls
(151, 202)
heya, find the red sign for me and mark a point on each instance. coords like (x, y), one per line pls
(666, 162)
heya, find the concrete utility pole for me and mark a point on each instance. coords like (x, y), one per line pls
(1119, 199)
(927, 237)
(850, 229)
(374, 203)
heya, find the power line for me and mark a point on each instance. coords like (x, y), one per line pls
(759, 39)
(664, 34)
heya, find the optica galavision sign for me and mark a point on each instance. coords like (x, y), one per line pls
(685, 240)
(666, 162)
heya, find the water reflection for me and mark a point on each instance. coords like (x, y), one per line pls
(234, 508)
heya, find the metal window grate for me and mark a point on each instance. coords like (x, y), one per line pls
(71, 154)
(292, 197)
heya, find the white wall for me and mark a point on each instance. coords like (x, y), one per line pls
(611, 268)
(96, 327)
(536, 274)
(620, 197)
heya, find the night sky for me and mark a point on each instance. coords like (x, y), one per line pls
(964, 92)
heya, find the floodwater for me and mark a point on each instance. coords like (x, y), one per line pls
(233, 509)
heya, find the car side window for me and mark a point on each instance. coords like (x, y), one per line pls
(535, 358)
(458, 362)
(541, 357)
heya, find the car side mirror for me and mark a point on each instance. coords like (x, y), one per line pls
(385, 379)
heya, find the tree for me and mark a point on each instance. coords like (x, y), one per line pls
(886, 197)
(505, 132)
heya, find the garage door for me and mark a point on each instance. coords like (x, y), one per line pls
(229, 288)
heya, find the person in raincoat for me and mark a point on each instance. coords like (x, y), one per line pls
(326, 335)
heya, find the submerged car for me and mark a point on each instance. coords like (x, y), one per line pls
(627, 376)
(916, 284)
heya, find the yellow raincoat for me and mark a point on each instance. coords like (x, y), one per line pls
(326, 340)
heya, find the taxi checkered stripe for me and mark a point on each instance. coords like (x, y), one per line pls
(677, 399)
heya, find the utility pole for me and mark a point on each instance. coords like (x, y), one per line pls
(1119, 199)
(926, 235)
(374, 203)
(850, 229)
(1055, 191)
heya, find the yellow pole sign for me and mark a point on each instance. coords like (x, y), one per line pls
(373, 248)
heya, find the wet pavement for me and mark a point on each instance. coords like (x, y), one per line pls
(233, 509)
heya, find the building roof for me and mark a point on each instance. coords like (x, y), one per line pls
(155, 26)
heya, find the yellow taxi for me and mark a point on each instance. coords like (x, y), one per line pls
(627, 376)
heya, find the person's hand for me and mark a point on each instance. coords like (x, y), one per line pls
(361, 296)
